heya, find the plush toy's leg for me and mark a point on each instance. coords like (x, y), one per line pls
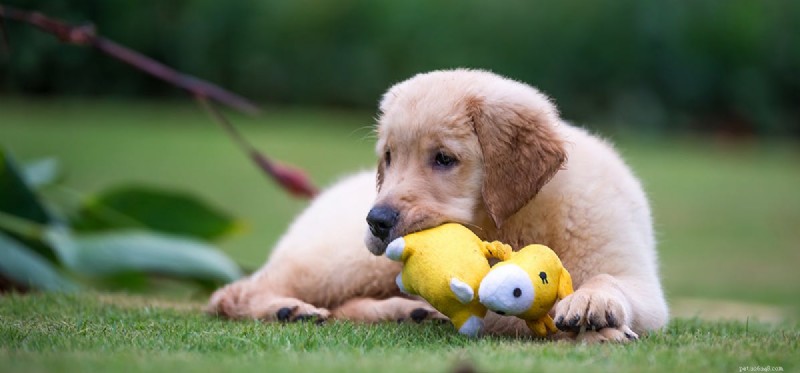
(538, 328)
(394, 250)
(399, 281)
(543, 327)
(467, 324)
(548, 323)
(472, 327)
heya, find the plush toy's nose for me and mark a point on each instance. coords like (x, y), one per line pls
(381, 220)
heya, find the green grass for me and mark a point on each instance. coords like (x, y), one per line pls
(95, 333)
(726, 214)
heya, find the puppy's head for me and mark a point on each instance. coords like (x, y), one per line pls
(461, 146)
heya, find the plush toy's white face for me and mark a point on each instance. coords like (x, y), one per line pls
(507, 290)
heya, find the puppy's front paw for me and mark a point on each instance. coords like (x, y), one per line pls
(227, 301)
(293, 310)
(622, 334)
(591, 310)
(391, 309)
(417, 311)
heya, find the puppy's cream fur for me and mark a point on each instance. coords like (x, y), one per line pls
(521, 175)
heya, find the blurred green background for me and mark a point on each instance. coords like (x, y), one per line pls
(727, 66)
(701, 98)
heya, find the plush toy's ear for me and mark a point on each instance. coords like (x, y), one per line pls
(521, 150)
(564, 284)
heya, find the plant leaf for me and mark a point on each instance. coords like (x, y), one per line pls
(26, 268)
(113, 253)
(157, 209)
(17, 197)
(42, 172)
(19, 200)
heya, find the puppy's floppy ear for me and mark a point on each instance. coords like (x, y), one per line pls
(521, 150)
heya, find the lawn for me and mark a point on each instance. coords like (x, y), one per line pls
(726, 213)
(122, 333)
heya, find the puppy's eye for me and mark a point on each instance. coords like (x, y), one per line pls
(388, 158)
(444, 161)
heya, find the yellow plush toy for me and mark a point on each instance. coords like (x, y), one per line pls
(445, 265)
(527, 285)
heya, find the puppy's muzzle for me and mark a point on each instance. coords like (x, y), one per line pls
(381, 220)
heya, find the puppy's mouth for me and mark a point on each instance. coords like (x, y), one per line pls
(377, 246)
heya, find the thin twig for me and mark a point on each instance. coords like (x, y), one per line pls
(292, 179)
(86, 35)
(4, 46)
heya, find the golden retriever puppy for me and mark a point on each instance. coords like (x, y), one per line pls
(488, 152)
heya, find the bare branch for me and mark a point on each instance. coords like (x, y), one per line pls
(291, 179)
(4, 46)
(86, 35)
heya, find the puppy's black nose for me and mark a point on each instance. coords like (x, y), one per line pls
(381, 220)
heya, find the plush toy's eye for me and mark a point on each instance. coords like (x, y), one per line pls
(517, 292)
(387, 157)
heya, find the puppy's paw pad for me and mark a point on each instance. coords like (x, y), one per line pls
(419, 314)
(285, 314)
(292, 310)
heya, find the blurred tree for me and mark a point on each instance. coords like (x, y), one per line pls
(709, 65)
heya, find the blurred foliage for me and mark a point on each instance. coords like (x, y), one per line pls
(713, 65)
(148, 207)
(122, 236)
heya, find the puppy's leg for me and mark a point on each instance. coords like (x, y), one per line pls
(390, 309)
(254, 297)
(321, 263)
(495, 324)
(608, 308)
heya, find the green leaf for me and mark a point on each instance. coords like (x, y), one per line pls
(21, 202)
(157, 209)
(16, 197)
(109, 254)
(42, 172)
(24, 267)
